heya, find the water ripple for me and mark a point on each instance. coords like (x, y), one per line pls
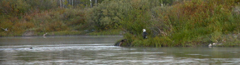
(54, 48)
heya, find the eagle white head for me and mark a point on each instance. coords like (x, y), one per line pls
(144, 30)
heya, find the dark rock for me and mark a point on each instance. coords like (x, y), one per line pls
(122, 42)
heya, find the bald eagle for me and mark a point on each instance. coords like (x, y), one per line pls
(144, 34)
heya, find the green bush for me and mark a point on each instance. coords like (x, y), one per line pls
(107, 15)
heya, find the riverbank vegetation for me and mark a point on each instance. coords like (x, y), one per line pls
(191, 23)
(168, 22)
(55, 17)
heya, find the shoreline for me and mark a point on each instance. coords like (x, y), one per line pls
(60, 35)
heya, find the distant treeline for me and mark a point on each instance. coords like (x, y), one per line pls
(41, 16)
(16, 7)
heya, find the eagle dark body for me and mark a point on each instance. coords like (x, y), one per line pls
(144, 35)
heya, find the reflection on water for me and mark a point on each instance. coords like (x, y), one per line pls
(92, 50)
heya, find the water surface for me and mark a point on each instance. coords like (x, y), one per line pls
(99, 50)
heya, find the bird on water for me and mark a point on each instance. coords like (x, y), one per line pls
(44, 35)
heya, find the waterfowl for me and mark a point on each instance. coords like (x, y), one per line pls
(44, 35)
(5, 29)
(214, 44)
(210, 45)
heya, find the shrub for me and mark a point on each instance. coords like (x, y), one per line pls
(107, 15)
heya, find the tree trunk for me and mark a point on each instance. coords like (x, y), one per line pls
(90, 3)
(72, 2)
(96, 2)
(60, 1)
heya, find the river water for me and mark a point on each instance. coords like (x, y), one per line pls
(99, 50)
